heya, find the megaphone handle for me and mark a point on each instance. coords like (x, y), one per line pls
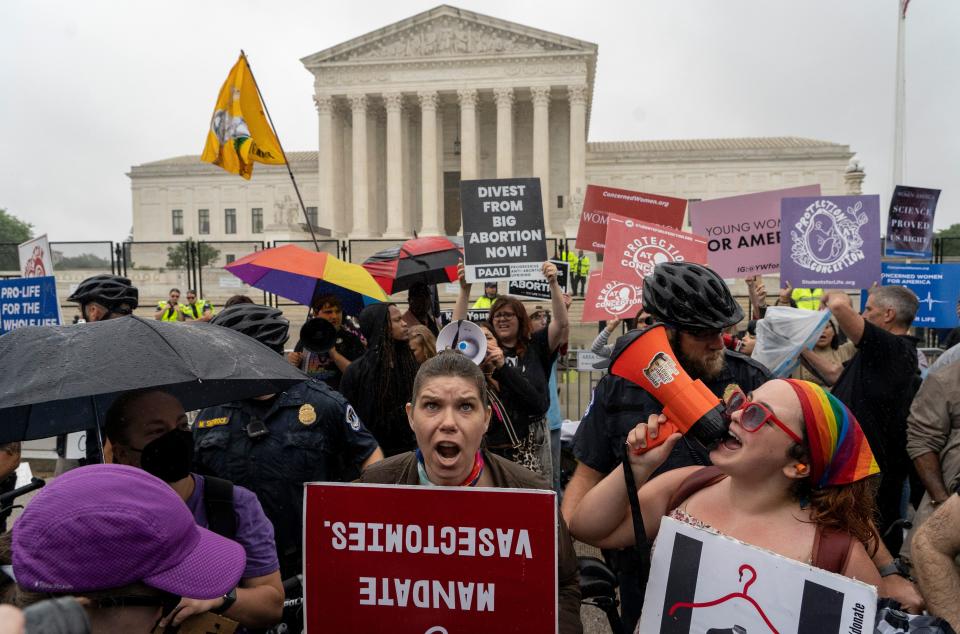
(664, 431)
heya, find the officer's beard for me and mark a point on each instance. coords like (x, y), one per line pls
(706, 367)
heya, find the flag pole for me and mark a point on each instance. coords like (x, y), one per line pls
(900, 95)
(285, 161)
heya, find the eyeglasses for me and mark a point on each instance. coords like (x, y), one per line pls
(704, 334)
(504, 316)
(755, 415)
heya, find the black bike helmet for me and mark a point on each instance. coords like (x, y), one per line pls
(266, 325)
(113, 292)
(691, 296)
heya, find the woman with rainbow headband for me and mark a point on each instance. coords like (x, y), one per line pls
(792, 476)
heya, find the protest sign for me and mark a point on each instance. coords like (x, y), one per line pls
(704, 582)
(429, 559)
(539, 289)
(611, 299)
(587, 361)
(503, 234)
(35, 258)
(634, 248)
(830, 241)
(910, 222)
(743, 232)
(28, 302)
(599, 202)
(937, 286)
(473, 314)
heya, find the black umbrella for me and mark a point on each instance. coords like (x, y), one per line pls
(61, 379)
(430, 260)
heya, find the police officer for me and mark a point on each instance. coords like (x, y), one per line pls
(805, 298)
(695, 305)
(579, 270)
(273, 444)
(169, 310)
(490, 295)
(196, 309)
(100, 297)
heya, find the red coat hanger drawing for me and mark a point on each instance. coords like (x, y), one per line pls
(734, 595)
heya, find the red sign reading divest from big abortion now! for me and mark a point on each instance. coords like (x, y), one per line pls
(429, 560)
(601, 201)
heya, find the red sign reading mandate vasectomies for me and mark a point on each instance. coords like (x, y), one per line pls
(437, 560)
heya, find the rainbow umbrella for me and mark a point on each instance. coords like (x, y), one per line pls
(300, 275)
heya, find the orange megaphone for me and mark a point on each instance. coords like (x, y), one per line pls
(690, 407)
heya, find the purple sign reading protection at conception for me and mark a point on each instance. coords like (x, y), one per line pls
(830, 241)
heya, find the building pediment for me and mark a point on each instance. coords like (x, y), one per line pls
(447, 32)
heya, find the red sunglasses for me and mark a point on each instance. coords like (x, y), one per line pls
(755, 415)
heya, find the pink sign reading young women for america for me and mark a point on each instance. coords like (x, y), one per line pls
(743, 232)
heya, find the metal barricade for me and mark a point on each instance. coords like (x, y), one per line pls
(576, 378)
(216, 284)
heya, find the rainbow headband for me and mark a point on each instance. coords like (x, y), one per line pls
(839, 450)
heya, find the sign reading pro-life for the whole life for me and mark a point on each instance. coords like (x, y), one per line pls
(429, 559)
(503, 231)
(28, 301)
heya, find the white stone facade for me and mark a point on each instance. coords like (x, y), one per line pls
(407, 111)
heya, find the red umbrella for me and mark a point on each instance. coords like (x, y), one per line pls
(431, 260)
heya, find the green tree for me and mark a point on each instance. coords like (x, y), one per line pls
(951, 243)
(13, 231)
(177, 255)
(83, 261)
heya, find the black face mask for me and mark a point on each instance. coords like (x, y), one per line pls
(170, 456)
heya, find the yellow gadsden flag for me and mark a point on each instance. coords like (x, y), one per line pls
(239, 133)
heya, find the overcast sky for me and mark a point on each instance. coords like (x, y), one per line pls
(88, 89)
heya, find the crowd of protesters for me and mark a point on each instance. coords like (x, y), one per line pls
(207, 516)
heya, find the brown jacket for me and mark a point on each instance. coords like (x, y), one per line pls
(934, 427)
(402, 469)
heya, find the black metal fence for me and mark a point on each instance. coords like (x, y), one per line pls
(155, 267)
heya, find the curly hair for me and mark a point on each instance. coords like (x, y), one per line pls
(394, 371)
(850, 508)
(525, 331)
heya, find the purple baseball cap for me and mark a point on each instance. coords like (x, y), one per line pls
(105, 526)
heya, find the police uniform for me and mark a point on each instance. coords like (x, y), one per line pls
(483, 303)
(617, 406)
(807, 298)
(170, 313)
(309, 433)
(195, 311)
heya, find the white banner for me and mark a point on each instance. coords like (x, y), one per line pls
(586, 360)
(704, 582)
(35, 259)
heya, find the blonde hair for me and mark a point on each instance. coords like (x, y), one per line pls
(429, 341)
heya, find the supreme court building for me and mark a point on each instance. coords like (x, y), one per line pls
(408, 111)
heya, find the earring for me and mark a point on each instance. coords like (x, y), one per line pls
(801, 468)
